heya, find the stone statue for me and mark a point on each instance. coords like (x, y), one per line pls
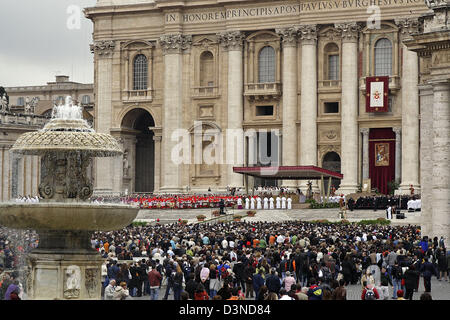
(27, 105)
(126, 165)
(30, 106)
(4, 100)
(309, 192)
(3, 104)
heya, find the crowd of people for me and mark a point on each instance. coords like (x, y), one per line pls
(265, 261)
(14, 245)
(382, 202)
(189, 201)
(290, 260)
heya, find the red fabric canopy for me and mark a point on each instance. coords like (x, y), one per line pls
(288, 172)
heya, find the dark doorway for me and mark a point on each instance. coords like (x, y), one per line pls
(144, 166)
(332, 161)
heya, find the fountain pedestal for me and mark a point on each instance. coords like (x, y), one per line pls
(62, 276)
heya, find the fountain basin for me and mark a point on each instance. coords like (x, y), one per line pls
(66, 216)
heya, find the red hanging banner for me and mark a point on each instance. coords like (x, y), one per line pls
(377, 93)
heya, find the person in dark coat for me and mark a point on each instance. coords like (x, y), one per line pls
(428, 270)
(347, 268)
(351, 204)
(442, 264)
(411, 277)
(273, 282)
(258, 282)
(248, 276)
(191, 286)
(238, 270)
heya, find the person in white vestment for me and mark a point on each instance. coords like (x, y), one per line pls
(389, 213)
(278, 203)
(247, 203)
(289, 203)
(283, 202)
(258, 203)
(271, 203)
(266, 203)
(239, 203)
(252, 203)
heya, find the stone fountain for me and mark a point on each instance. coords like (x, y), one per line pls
(65, 266)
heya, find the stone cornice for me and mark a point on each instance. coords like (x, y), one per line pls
(175, 43)
(289, 36)
(349, 31)
(425, 44)
(231, 40)
(103, 48)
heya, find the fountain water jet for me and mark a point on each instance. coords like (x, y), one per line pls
(64, 266)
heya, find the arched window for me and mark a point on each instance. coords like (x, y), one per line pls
(206, 69)
(86, 99)
(140, 72)
(383, 57)
(331, 51)
(266, 62)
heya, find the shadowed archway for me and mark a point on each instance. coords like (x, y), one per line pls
(143, 166)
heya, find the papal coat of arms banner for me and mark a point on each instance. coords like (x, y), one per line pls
(377, 92)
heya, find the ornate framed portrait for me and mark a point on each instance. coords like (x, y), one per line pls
(381, 154)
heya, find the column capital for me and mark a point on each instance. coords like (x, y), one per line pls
(397, 130)
(231, 40)
(349, 31)
(408, 26)
(103, 48)
(289, 36)
(175, 43)
(364, 131)
(308, 33)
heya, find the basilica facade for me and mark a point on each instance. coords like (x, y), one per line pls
(286, 81)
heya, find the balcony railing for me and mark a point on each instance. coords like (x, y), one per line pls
(329, 83)
(394, 83)
(205, 92)
(263, 90)
(138, 95)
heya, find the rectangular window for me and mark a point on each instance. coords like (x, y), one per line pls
(264, 111)
(331, 107)
(333, 67)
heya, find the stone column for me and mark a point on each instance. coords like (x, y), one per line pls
(308, 99)
(441, 159)
(232, 42)
(103, 51)
(398, 153)
(173, 46)
(365, 151)
(157, 183)
(426, 154)
(431, 45)
(290, 103)
(410, 110)
(349, 107)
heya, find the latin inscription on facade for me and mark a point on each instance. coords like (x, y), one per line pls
(282, 10)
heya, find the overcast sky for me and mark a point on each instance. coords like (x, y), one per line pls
(42, 38)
